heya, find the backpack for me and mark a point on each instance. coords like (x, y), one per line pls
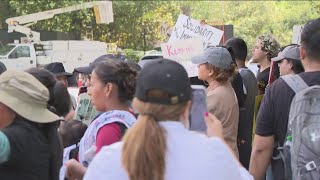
(300, 152)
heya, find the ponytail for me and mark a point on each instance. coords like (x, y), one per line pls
(143, 154)
(144, 144)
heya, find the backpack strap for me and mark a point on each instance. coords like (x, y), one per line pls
(295, 82)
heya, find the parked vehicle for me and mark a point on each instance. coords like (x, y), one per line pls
(32, 52)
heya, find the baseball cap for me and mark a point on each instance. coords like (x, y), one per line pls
(290, 52)
(167, 76)
(90, 68)
(219, 57)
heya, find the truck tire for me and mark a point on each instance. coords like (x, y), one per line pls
(2, 68)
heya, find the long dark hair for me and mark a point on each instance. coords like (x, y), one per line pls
(59, 102)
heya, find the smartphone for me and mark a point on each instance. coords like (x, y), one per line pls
(198, 109)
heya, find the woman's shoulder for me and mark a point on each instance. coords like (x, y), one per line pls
(107, 164)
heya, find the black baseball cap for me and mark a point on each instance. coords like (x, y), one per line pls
(57, 69)
(90, 68)
(167, 76)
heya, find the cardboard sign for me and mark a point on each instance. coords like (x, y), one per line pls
(187, 28)
(182, 51)
(85, 111)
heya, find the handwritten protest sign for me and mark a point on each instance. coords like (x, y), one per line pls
(182, 51)
(187, 28)
(85, 111)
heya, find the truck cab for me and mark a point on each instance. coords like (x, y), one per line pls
(18, 56)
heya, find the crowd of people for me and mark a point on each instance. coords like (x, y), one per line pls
(140, 117)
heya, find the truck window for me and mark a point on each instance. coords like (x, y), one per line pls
(21, 51)
(4, 50)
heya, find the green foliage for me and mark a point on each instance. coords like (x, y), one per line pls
(136, 21)
(253, 18)
(133, 55)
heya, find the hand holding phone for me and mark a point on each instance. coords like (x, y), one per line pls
(198, 109)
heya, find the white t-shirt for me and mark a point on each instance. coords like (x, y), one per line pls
(253, 67)
(189, 156)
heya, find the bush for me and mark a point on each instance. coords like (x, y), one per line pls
(133, 55)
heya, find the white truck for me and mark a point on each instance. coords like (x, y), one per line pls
(71, 53)
(35, 53)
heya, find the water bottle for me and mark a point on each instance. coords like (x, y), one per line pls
(288, 141)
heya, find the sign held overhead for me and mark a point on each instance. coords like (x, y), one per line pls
(187, 28)
(182, 51)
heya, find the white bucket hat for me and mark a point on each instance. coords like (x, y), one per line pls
(25, 95)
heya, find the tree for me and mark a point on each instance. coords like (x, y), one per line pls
(135, 21)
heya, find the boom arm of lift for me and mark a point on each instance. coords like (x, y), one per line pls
(102, 9)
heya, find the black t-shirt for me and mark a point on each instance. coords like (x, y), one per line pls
(29, 153)
(273, 114)
(237, 85)
(263, 78)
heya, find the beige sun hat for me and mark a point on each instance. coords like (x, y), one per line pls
(25, 95)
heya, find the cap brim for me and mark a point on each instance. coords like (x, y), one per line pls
(84, 70)
(278, 58)
(198, 60)
(38, 114)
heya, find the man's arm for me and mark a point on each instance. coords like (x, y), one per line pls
(262, 150)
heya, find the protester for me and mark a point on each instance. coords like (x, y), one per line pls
(216, 67)
(85, 111)
(273, 115)
(237, 85)
(266, 47)
(58, 70)
(133, 64)
(112, 87)
(29, 143)
(289, 60)
(159, 146)
(246, 113)
(59, 100)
